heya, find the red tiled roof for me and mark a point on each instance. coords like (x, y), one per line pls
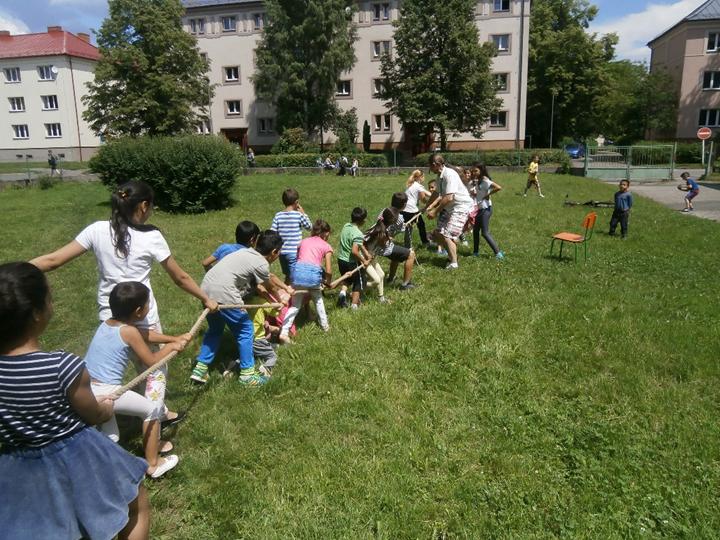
(53, 43)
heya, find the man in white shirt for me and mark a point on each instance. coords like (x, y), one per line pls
(457, 203)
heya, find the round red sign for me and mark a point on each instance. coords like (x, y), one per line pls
(704, 133)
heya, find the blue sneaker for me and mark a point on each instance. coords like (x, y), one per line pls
(500, 256)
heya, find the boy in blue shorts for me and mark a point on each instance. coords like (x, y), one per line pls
(246, 234)
(692, 188)
(289, 224)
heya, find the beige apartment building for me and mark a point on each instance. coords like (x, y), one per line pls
(43, 80)
(690, 52)
(228, 33)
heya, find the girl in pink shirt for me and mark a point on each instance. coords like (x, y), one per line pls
(313, 268)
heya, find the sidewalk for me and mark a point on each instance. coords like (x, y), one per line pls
(707, 203)
(19, 177)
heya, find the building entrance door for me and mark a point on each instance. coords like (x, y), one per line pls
(236, 136)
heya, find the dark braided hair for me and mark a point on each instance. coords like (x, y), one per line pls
(124, 201)
(23, 292)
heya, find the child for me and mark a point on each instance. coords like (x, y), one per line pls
(415, 192)
(621, 213)
(109, 354)
(263, 350)
(352, 254)
(246, 234)
(60, 477)
(289, 224)
(692, 188)
(484, 188)
(229, 281)
(434, 196)
(533, 180)
(377, 242)
(397, 254)
(313, 268)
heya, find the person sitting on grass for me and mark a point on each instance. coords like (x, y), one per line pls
(60, 477)
(246, 234)
(229, 281)
(108, 356)
(621, 213)
(352, 256)
(692, 187)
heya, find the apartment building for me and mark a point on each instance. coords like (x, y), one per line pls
(228, 33)
(690, 52)
(43, 79)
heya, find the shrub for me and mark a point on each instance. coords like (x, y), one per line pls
(190, 173)
(310, 160)
(292, 141)
(502, 158)
(46, 182)
(688, 153)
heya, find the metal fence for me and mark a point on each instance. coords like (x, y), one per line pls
(638, 163)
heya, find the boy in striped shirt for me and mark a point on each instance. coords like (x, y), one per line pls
(289, 224)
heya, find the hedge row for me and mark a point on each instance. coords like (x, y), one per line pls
(310, 160)
(501, 158)
(189, 174)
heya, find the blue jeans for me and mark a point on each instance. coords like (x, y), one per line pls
(241, 327)
(287, 263)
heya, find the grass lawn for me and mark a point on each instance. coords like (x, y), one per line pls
(529, 398)
(19, 166)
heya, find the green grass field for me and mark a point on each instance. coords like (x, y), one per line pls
(529, 398)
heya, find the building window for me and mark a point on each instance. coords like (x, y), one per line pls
(47, 73)
(377, 87)
(232, 74)
(498, 119)
(379, 48)
(229, 24)
(259, 21)
(266, 126)
(501, 82)
(382, 123)
(711, 80)
(501, 42)
(344, 89)
(501, 5)
(203, 127)
(12, 75)
(233, 107)
(709, 118)
(17, 104)
(381, 12)
(713, 42)
(53, 130)
(21, 131)
(197, 26)
(50, 103)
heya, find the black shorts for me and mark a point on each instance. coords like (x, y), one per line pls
(399, 254)
(357, 279)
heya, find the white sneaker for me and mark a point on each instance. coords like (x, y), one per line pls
(542, 196)
(170, 462)
(451, 266)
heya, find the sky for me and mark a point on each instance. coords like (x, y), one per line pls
(635, 21)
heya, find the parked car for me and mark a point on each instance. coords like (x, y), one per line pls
(575, 150)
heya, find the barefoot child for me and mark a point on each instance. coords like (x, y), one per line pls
(109, 354)
(289, 224)
(533, 179)
(229, 281)
(60, 478)
(312, 270)
(352, 254)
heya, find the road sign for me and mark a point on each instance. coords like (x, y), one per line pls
(704, 133)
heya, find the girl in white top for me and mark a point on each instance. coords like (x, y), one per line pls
(125, 248)
(483, 188)
(416, 192)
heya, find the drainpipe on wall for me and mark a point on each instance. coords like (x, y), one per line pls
(520, 75)
(77, 118)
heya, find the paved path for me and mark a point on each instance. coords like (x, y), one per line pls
(707, 203)
(34, 173)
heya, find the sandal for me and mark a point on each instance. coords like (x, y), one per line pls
(166, 447)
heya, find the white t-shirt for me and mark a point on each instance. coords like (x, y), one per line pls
(413, 194)
(450, 183)
(144, 248)
(482, 189)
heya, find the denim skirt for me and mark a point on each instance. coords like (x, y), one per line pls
(307, 275)
(79, 486)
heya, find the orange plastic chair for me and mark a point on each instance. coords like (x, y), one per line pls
(576, 239)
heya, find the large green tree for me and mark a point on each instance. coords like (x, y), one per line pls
(150, 78)
(438, 78)
(305, 48)
(567, 69)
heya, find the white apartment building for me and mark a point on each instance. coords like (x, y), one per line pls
(228, 33)
(42, 81)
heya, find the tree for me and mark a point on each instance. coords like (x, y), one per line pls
(150, 78)
(304, 50)
(367, 140)
(438, 77)
(566, 69)
(345, 128)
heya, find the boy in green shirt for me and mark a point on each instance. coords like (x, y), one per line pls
(351, 254)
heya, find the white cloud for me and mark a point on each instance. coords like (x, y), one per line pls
(636, 29)
(15, 25)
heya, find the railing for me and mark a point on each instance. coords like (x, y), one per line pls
(639, 163)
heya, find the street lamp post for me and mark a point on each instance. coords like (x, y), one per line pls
(552, 115)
